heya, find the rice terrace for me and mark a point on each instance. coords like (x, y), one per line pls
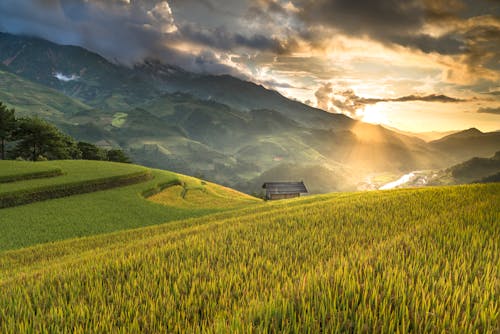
(270, 166)
(409, 260)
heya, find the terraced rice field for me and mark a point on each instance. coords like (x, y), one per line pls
(90, 213)
(413, 260)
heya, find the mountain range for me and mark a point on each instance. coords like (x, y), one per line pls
(221, 128)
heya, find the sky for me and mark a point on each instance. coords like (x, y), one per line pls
(417, 65)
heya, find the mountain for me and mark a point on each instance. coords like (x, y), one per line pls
(240, 94)
(476, 168)
(467, 144)
(426, 136)
(76, 72)
(217, 127)
(89, 77)
(31, 98)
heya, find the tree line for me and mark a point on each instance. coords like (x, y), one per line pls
(35, 139)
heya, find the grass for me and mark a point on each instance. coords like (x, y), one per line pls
(194, 193)
(73, 171)
(93, 213)
(11, 171)
(410, 260)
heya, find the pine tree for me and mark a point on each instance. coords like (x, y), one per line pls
(7, 126)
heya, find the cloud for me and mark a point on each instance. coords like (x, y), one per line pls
(424, 98)
(349, 103)
(323, 96)
(116, 29)
(66, 78)
(467, 31)
(220, 38)
(495, 111)
(388, 21)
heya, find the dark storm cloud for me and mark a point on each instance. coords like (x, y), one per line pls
(392, 22)
(220, 38)
(388, 21)
(495, 111)
(483, 45)
(448, 44)
(369, 17)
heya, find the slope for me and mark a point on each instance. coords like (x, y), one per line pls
(104, 211)
(30, 98)
(74, 71)
(468, 144)
(476, 168)
(397, 261)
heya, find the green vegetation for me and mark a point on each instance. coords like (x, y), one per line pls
(7, 126)
(31, 99)
(11, 171)
(74, 171)
(93, 213)
(410, 260)
(36, 139)
(119, 119)
(476, 168)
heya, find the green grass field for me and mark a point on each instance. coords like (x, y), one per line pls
(98, 212)
(410, 260)
(73, 171)
(11, 171)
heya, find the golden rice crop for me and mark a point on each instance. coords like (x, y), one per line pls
(424, 260)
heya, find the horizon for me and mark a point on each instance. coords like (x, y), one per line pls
(425, 66)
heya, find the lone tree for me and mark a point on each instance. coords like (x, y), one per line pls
(38, 138)
(7, 126)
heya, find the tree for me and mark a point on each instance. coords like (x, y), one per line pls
(91, 152)
(38, 138)
(7, 126)
(118, 156)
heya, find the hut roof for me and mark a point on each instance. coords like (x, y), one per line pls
(285, 187)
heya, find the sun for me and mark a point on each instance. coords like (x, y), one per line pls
(374, 114)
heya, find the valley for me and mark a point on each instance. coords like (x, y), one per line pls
(227, 130)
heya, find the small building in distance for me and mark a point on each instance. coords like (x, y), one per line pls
(283, 190)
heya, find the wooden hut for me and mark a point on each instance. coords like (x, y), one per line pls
(282, 190)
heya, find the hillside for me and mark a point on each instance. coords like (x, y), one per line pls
(422, 260)
(30, 98)
(228, 130)
(467, 144)
(93, 197)
(476, 168)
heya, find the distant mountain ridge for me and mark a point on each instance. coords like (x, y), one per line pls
(468, 143)
(103, 84)
(427, 136)
(222, 128)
